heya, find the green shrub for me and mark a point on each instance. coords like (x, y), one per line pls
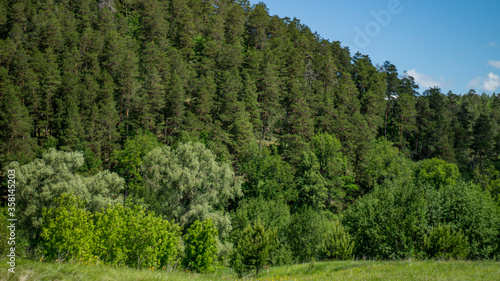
(444, 243)
(338, 243)
(388, 223)
(306, 234)
(464, 206)
(120, 236)
(110, 226)
(200, 246)
(254, 247)
(67, 230)
(136, 238)
(274, 214)
(56, 173)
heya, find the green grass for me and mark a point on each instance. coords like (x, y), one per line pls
(387, 270)
(341, 270)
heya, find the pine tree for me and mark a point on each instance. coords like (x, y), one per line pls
(50, 81)
(254, 246)
(392, 83)
(174, 107)
(258, 19)
(153, 89)
(73, 129)
(15, 123)
(370, 84)
(182, 26)
(405, 113)
(108, 118)
(482, 138)
(203, 104)
(297, 125)
(269, 98)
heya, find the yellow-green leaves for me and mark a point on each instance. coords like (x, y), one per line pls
(121, 236)
(67, 231)
(201, 246)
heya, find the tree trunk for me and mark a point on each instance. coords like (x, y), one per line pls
(474, 161)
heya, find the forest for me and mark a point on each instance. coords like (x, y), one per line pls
(202, 133)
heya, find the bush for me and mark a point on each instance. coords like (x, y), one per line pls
(388, 223)
(120, 236)
(46, 179)
(136, 238)
(254, 247)
(201, 246)
(306, 234)
(338, 243)
(464, 206)
(274, 214)
(444, 243)
(267, 175)
(67, 230)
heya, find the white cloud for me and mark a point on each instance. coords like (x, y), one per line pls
(492, 82)
(424, 80)
(494, 63)
(474, 83)
(489, 82)
(493, 44)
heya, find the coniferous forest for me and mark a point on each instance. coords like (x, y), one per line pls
(194, 134)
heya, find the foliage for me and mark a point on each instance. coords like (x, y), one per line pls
(200, 246)
(187, 184)
(388, 223)
(236, 79)
(124, 88)
(128, 161)
(253, 248)
(306, 232)
(136, 238)
(4, 232)
(274, 214)
(269, 176)
(445, 243)
(437, 172)
(334, 167)
(385, 163)
(46, 179)
(120, 235)
(67, 230)
(338, 244)
(391, 221)
(465, 207)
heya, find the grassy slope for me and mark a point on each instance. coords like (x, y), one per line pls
(343, 270)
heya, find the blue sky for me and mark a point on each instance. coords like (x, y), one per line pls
(454, 45)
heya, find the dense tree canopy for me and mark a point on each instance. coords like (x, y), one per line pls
(217, 110)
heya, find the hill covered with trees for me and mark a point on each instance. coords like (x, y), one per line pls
(216, 111)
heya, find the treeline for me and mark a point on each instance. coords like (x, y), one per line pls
(87, 75)
(424, 211)
(216, 110)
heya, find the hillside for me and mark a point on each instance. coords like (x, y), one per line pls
(214, 123)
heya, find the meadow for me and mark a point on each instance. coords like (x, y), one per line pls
(334, 270)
